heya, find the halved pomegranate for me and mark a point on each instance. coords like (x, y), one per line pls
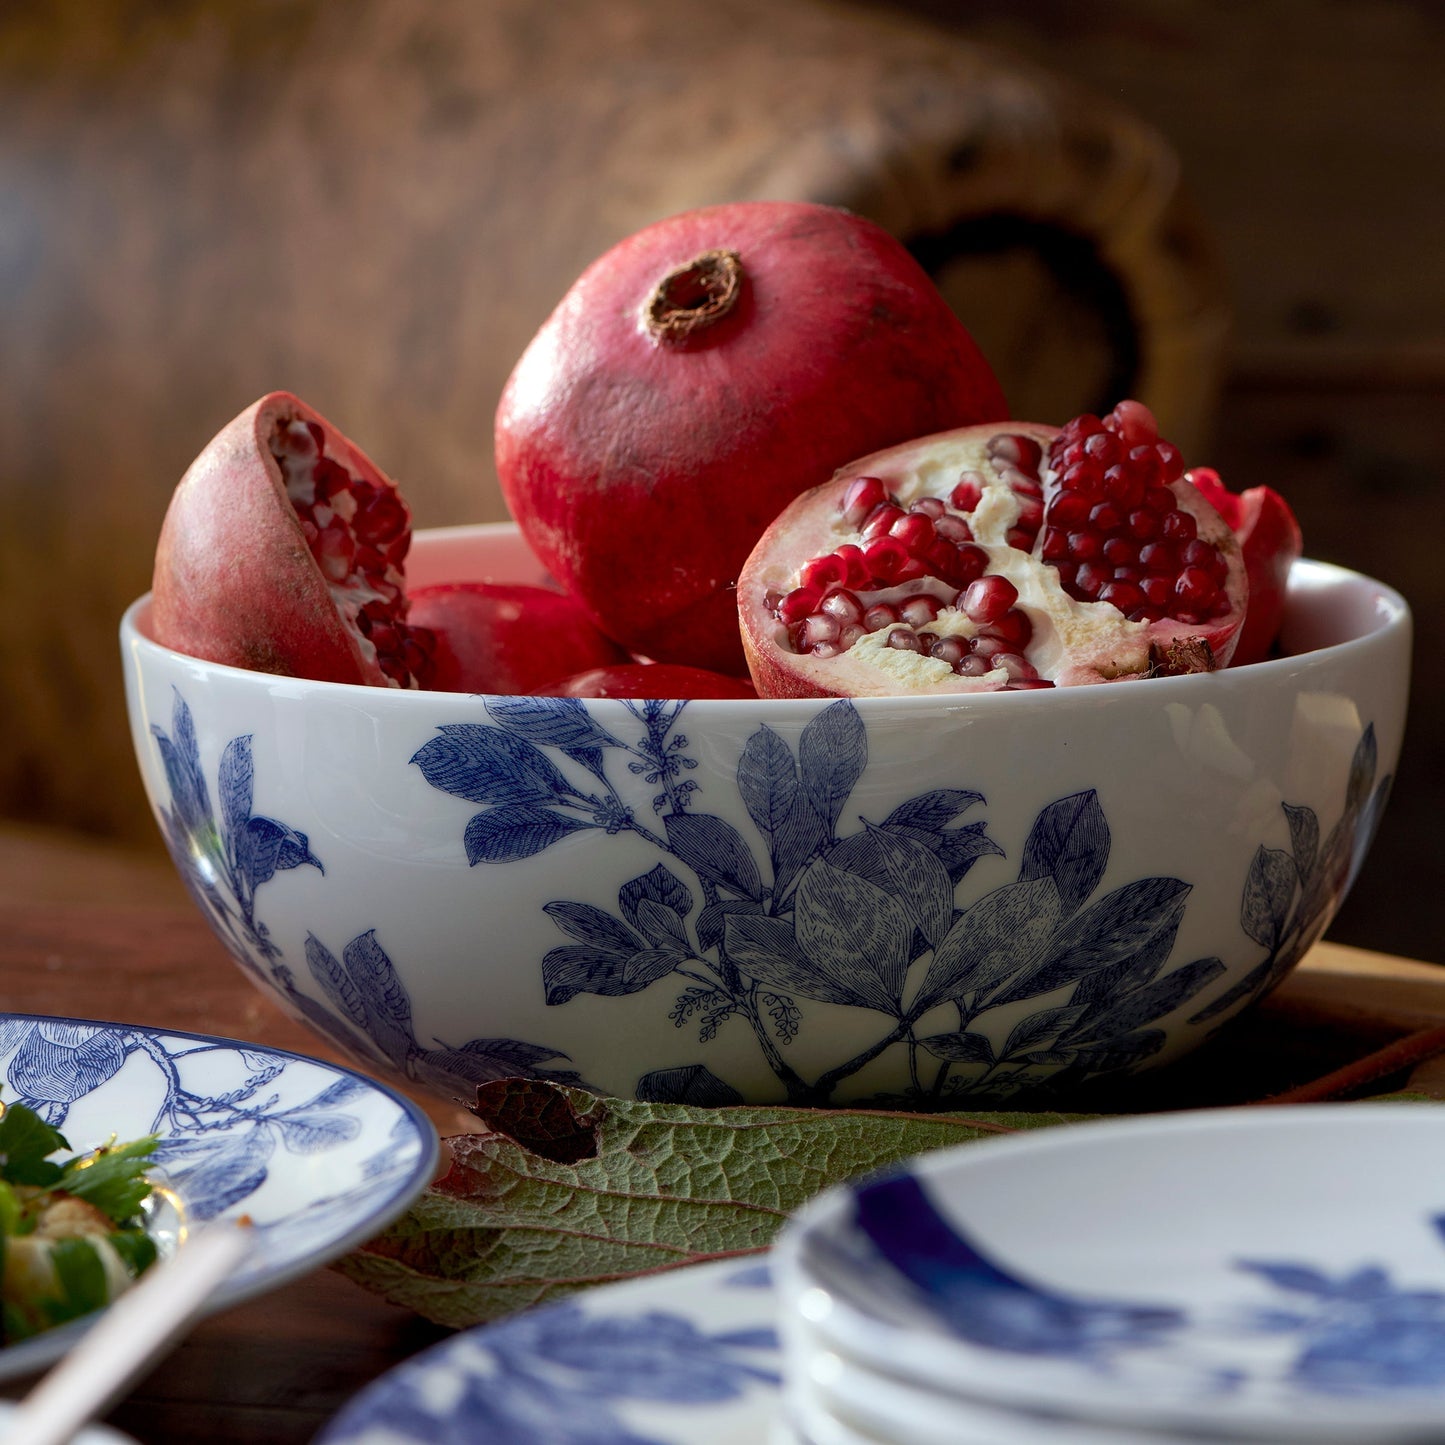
(501, 637)
(997, 557)
(283, 551)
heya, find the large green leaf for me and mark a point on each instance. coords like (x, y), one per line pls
(562, 1189)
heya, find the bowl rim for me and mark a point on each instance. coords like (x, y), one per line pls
(1392, 615)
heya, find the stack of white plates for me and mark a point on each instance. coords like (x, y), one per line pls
(1265, 1274)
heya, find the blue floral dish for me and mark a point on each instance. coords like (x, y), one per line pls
(1265, 1274)
(319, 1158)
(917, 902)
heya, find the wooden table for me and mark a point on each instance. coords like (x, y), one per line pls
(86, 931)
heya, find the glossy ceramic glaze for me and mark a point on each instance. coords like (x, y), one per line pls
(913, 900)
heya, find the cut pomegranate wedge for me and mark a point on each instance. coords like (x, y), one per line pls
(1005, 556)
(282, 551)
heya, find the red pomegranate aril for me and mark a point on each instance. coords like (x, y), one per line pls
(971, 564)
(1086, 477)
(1179, 527)
(798, 604)
(855, 569)
(1159, 499)
(951, 650)
(819, 628)
(1091, 579)
(880, 614)
(1014, 628)
(1171, 460)
(843, 605)
(987, 599)
(1144, 525)
(1056, 545)
(1158, 591)
(967, 492)
(1104, 448)
(1019, 669)
(1195, 591)
(1134, 423)
(1023, 485)
(1020, 451)
(904, 639)
(1159, 558)
(822, 572)
(1085, 546)
(931, 507)
(974, 665)
(914, 530)
(1120, 552)
(861, 498)
(988, 647)
(952, 528)
(1127, 597)
(1031, 517)
(881, 520)
(1069, 509)
(1106, 517)
(919, 610)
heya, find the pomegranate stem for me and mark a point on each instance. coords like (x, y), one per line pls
(694, 297)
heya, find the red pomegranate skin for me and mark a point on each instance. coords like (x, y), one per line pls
(1270, 538)
(643, 459)
(496, 637)
(652, 680)
(234, 579)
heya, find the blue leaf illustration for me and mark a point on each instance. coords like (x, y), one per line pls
(375, 977)
(265, 848)
(767, 781)
(511, 833)
(1039, 1028)
(1153, 1001)
(714, 850)
(1269, 891)
(959, 849)
(832, 753)
(59, 1063)
(660, 886)
(932, 812)
(960, 1048)
(594, 927)
(1362, 772)
(1304, 834)
(235, 781)
(999, 938)
(343, 1091)
(854, 933)
(663, 927)
(907, 869)
(577, 968)
(335, 981)
(1069, 843)
(315, 1132)
(490, 765)
(1122, 1052)
(712, 921)
(767, 949)
(1299, 1278)
(557, 722)
(1116, 928)
(233, 1172)
(691, 1084)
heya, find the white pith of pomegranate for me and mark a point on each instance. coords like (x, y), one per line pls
(1001, 557)
(282, 551)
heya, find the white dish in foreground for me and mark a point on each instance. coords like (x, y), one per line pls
(320, 1158)
(1276, 1273)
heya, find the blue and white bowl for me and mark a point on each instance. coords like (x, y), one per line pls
(915, 901)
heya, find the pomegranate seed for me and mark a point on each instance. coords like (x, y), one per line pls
(1056, 544)
(915, 531)
(1171, 461)
(1019, 669)
(973, 666)
(855, 569)
(1179, 527)
(335, 552)
(1031, 515)
(942, 559)
(972, 562)
(1020, 451)
(1106, 517)
(988, 647)
(864, 494)
(850, 634)
(905, 640)
(919, 610)
(843, 605)
(885, 558)
(1020, 539)
(1125, 486)
(1135, 423)
(1086, 476)
(1195, 591)
(952, 528)
(820, 628)
(931, 507)
(880, 519)
(822, 572)
(1121, 552)
(1145, 464)
(1085, 546)
(967, 492)
(1025, 486)
(951, 650)
(1160, 558)
(1014, 628)
(798, 604)
(987, 599)
(1104, 448)
(880, 614)
(1144, 525)
(1069, 509)
(1090, 580)
(1124, 595)
(1158, 590)
(1160, 499)
(827, 649)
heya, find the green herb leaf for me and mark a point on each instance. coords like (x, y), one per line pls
(81, 1278)
(113, 1178)
(564, 1190)
(26, 1142)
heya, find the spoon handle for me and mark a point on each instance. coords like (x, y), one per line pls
(131, 1334)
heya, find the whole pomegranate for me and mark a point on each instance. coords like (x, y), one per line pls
(697, 377)
(282, 551)
(500, 637)
(1001, 557)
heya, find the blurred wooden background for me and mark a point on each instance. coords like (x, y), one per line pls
(375, 204)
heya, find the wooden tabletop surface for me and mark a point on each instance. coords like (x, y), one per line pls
(87, 931)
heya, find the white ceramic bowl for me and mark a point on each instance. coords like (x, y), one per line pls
(921, 900)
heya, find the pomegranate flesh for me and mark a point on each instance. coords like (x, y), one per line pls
(696, 378)
(495, 637)
(652, 680)
(282, 551)
(1007, 556)
(1269, 536)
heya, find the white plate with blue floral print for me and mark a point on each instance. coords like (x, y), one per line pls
(1274, 1274)
(689, 1357)
(319, 1157)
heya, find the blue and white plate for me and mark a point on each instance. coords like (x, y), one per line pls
(1265, 1273)
(320, 1158)
(684, 1358)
